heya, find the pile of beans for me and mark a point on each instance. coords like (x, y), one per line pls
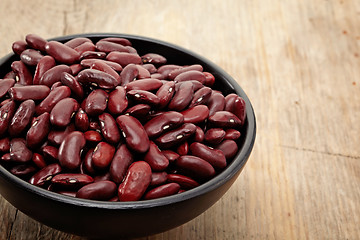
(96, 120)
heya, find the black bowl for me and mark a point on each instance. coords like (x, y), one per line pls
(100, 219)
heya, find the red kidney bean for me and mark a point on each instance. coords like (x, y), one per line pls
(92, 136)
(224, 119)
(102, 155)
(34, 92)
(75, 42)
(50, 153)
(141, 96)
(122, 41)
(19, 152)
(88, 62)
(183, 148)
(209, 79)
(129, 74)
(108, 47)
(123, 58)
(184, 181)
(139, 111)
(19, 46)
(36, 42)
(201, 96)
(55, 85)
(238, 107)
(109, 128)
(199, 135)
(165, 93)
(216, 102)
(86, 46)
(104, 176)
(61, 52)
(158, 178)
(5, 158)
(23, 74)
(70, 149)
(55, 96)
(31, 57)
(4, 144)
(158, 76)
(101, 66)
(182, 97)
(5, 85)
(197, 85)
(45, 175)
(38, 131)
(176, 136)
(38, 160)
(97, 78)
(94, 125)
(163, 123)
(162, 191)
(214, 135)
(102, 190)
(136, 182)
(57, 136)
(68, 80)
(149, 67)
(156, 160)
(170, 155)
(87, 163)
(22, 118)
(143, 72)
(134, 133)
(71, 180)
(173, 74)
(117, 101)
(63, 111)
(196, 114)
(120, 163)
(76, 68)
(23, 171)
(190, 75)
(96, 102)
(195, 167)
(45, 63)
(81, 120)
(167, 68)
(153, 58)
(53, 75)
(7, 112)
(228, 147)
(146, 84)
(232, 134)
(92, 55)
(213, 156)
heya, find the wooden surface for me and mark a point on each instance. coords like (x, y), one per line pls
(299, 63)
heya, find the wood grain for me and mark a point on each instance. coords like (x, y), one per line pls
(298, 61)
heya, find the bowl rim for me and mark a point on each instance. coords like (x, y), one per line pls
(235, 166)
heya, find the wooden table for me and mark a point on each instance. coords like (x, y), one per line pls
(299, 63)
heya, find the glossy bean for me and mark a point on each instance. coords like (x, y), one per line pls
(92, 136)
(108, 47)
(55, 85)
(163, 123)
(97, 78)
(228, 147)
(109, 128)
(22, 118)
(190, 75)
(153, 58)
(61, 52)
(5, 85)
(52, 99)
(199, 134)
(136, 182)
(4, 144)
(23, 170)
(76, 68)
(63, 111)
(196, 114)
(239, 109)
(36, 42)
(118, 40)
(101, 66)
(146, 84)
(216, 102)
(69, 80)
(23, 74)
(120, 163)
(102, 155)
(71, 180)
(102, 190)
(117, 101)
(214, 136)
(19, 46)
(173, 74)
(45, 175)
(182, 97)
(38, 132)
(19, 152)
(167, 68)
(185, 182)
(209, 79)
(92, 55)
(195, 167)
(34, 92)
(103, 176)
(54, 74)
(75, 42)
(55, 137)
(87, 163)
(134, 133)
(38, 160)
(96, 102)
(183, 148)
(88, 62)
(70, 149)
(156, 160)
(139, 111)
(176, 136)
(162, 191)
(170, 155)
(149, 67)
(165, 93)
(31, 57)
(86, 46)
(232, 134)
(201, 96)
(224, 119)
(143, 72)
(123, 58)
(45, 63)
(213, 156)
(51, 153)
(129, 74)
(145, 97)
(158, 178)
(81, 120)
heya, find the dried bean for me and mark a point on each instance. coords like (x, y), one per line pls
(34, 92)
(22, 118)
(162, 191)
(120, 163)
(63, 111)
(102, 155)
(70, 149)
(102, 190)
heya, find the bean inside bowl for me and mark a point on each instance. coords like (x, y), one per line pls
(143, 212)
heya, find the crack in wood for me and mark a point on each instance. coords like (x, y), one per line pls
(322, 152)
(12, 225)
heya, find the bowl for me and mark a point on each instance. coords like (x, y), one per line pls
(100, 219)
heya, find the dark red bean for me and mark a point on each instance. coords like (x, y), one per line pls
(38, 160)
(162, 191)
(71, 180)
(170, 155)
(165, 93)
(92, 55)
(213, 156)
(104, 176)
(96, 102)
(76, 68)
(201, 96)
(19, 152)
(97, 78)
(5, 158)
(146, 84)
(19, 46)
(101, 66)
(177, 71)
(63, 111)
(34, 92)
(23, 74)
(54, 74)
(158, 178)
(36, 42)
(136, 182)
(149, 67)
(182, 97)
(108, 47)
(23, 170)
(190, 75)
(7, 112)
(120, 163)
(216, 102)
(5, 85)
(145, 97)
(199, 134)
(45, 63)
(158, 76)
(94, 125)
(196, 114)
(70, 149)
(22, 118)
(167, 68)
(214, 135)
(122, 41)
(69, 80)
(183, 148)
(31, 57)
(102, 155)
(81, 120)
(139, 111)
(184, 181)
(55, 85)
(153, 58)
(209, 79)
(123, 58)
(156, 160)
(109, 128)
(61, 52)
(176, 136)
(4, 144)
(57, 136)
(75, 42)
(102, 190)
(87, 163)
(195, 167)
(129, 74)
(86, 46)
(134, 133)
(50, 153)
(238, 107)
(163, 123)
(224, 119)
(228, 147)
(143, 72)
(92, 136)
(55, 96)
(38, 131)
(117, 101)
(88, 62)
(232, 134)
(45, 175)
